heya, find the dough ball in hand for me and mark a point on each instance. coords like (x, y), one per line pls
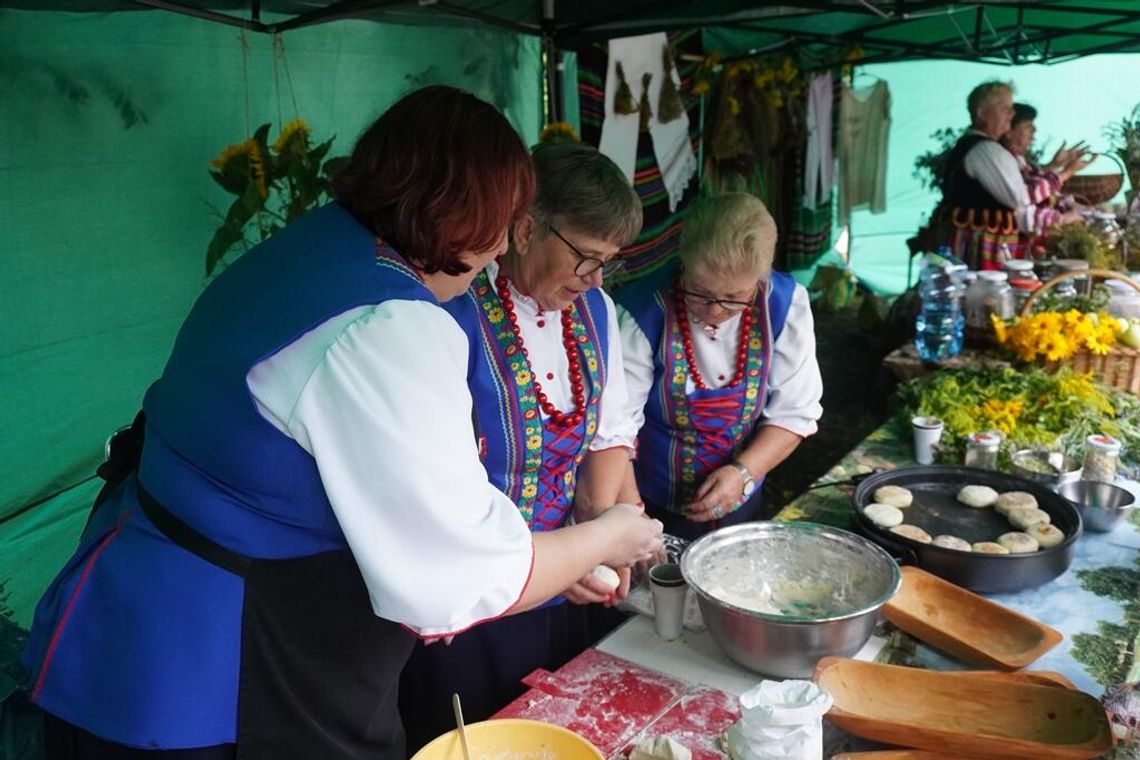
(1019, 543)
(608, 576)
(895, 496)
(952, 542)
(978, 497)
(988, 547)
(1021, 518)
(913, 532)
(884, 515)
(1015, 500)
(1047, 535)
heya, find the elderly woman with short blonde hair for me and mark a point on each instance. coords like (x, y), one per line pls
(720, 366)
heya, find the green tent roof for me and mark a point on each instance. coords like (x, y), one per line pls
(999, 31)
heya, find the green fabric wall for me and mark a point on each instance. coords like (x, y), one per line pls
(107, 123)
(1075, 100)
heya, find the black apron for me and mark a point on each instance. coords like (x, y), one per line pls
(319, 670)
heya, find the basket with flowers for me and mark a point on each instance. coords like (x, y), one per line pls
(1088, 342)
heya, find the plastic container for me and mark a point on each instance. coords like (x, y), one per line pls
(1102, 452)
(982, 450)
(940, 327)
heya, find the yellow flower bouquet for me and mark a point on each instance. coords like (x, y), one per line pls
(1056, 336)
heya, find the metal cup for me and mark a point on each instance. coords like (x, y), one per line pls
(669, 589)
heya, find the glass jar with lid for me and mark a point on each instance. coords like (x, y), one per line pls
(997, 296)
(1081, 285)
(1020, 269)
(1102, 452)
(1103, 224)
(982, 449)
(1022, 289)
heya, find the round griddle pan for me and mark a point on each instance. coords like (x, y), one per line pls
(937, 511)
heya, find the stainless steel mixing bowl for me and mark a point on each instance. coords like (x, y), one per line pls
(860, 575)
(1103, 506)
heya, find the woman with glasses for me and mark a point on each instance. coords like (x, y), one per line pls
(546, 376)
(309, 497)
(720, 369)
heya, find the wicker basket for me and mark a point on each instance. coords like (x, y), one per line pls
(1120, 367)
(1094, 188)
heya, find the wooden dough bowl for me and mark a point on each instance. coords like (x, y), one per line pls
(962, 715)
(966, 625)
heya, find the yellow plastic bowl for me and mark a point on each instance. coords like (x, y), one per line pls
(511, 739)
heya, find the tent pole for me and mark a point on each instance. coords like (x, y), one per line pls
(552, 64)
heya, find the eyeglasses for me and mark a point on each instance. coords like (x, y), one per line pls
(700, 299)
(589, 264)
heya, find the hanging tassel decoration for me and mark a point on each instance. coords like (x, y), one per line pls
(669, 103)
(643, 106)
(623, 98)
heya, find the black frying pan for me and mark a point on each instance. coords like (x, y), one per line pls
(937, 511)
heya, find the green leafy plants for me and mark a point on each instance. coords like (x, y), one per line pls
(930, 166)
(273, 184)
(1124, 139)
(1076, 241)
(1031, 406)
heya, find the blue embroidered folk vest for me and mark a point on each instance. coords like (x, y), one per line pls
(138, 640)
(533, 463)
(687, 435)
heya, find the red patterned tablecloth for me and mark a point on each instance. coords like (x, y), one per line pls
(615, 703)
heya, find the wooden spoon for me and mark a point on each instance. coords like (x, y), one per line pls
(459, 725)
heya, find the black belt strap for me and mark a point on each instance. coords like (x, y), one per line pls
(191, 540)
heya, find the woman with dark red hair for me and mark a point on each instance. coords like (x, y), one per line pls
(309, 496)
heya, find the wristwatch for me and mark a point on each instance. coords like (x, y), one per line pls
(746, 476)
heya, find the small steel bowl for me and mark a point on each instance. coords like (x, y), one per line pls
(854, 576)
(1049, 468)
(1103, 506)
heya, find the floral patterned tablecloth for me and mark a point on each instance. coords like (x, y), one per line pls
(1095, 603)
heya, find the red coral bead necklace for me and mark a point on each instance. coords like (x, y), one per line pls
(577, 386)
(687, 340)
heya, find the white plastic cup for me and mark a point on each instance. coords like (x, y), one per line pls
(669, 589)
(927, 432)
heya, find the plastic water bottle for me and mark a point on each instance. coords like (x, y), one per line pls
(941, 324)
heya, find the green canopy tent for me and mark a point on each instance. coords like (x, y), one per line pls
(110, 111)
(113, 108)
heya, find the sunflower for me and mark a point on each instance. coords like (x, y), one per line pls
(559, 131)
(294, 135)
(1056, 347)
(229, 164)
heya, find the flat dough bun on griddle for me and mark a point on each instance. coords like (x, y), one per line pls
(1015, 500)
(1047, 535)
(1019, 543)
(913, 532)
(952, 542)
(978, 497)
(988, 547)
(895, 496)
(883, 515)
(1021, 518)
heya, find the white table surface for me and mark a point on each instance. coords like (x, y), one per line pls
(693, 658)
